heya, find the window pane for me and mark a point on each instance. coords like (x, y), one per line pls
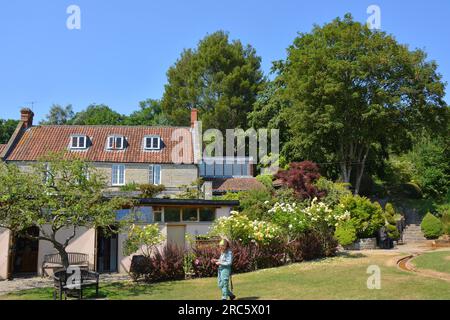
(111, 142)
(207, 214)
(209, 170)
(121, 174)
(74, 142)
(150, 175)
(202, 169)
(157, 175)
(157, 216)
(190, 214)
(237, 169)
(82, 142)
(171, 214)
(144, 214)
(218, 169)
(114, 175)
(228, 169)
(155, 144)
(119, 143)
(122, 214)
(148, 143)
(245, 169)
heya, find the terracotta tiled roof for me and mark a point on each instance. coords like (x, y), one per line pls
(40, 140)
(235, 184)
(2, 146)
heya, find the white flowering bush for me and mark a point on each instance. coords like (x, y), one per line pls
(295, 220)
(239, 227)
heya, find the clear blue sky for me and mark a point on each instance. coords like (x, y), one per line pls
(124, 48)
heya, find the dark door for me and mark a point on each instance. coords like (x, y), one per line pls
(107, 249)
(25, 253)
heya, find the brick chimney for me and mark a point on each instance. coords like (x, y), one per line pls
(194, 117)
(26, 116)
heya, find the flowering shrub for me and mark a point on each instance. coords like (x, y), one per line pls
(289, 217)
(320, 214)
(239, 227)
(145, 238)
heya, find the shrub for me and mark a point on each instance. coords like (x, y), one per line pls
(150, 190)
(140, 266)
(334, 191)
(244, 257)
(301, 177)
(166, 264)
(133, 186)
(312, 245)
(345, 233)
(266, 180)
(202, 265)
(366, 217)
(144, 238)
(271, 255)
(239, 227)
(255, 203)
(431, 226)
(445, 219)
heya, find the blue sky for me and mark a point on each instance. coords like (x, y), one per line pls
(124, 48)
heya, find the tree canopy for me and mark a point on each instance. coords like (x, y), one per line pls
(7, 128)
(56, 195)
(98, 114)
(219, 77)
(59, 115)
(351, 95)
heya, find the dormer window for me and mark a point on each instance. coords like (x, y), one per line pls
(78, 142)
(116, 143)
(152, 143)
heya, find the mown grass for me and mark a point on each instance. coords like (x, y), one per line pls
(343, 277)
(436, 261)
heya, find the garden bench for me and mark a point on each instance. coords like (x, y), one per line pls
(82, 280)
(53, 261)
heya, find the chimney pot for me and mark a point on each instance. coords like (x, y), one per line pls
(26, 116)
(194, 117)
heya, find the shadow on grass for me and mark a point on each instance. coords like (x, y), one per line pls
(248, 298)
(351, 255)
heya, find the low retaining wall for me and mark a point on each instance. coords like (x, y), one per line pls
(363, 244)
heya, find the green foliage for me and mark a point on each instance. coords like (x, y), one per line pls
(431, 226)
(240, 228)
(345, 233)
(445, 219)
(193, 191)
(132, 186)
(266, 180)
(7, 128)
(151, 190)
(366, 217)
(334, 190)
(98, 114)
(255, 203)
(57, 194)
(219, 77)
(59, 115)
(149, 114)
(350, 94)
(143, 238)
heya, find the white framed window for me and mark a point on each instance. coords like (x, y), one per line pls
(78, 142)
(116, 143)
(118, 175)
(154, 174)
(152, 143)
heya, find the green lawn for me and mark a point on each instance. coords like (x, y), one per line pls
(342, 277)
(437, 261)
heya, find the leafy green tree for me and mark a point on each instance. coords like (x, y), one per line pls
(57, 195)
(355, 94)
(7, 128)
(59, 115)
(219, 77)
(98, 114)
(149, 114)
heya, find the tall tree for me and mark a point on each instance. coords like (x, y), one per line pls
(98, 114)
(59, 115)
(149, 113)
(353, 94)
(219, 77)
(58, 195)
(7, 128)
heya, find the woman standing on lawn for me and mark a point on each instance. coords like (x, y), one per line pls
(225, 262)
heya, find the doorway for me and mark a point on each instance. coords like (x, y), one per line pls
(176, 235)
(24, 255)
(107, 251)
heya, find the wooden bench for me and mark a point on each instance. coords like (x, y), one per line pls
(53, 261)
(80, 281)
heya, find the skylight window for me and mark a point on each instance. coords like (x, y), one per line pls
(116, 142)
(152, 143)
(78, 142)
